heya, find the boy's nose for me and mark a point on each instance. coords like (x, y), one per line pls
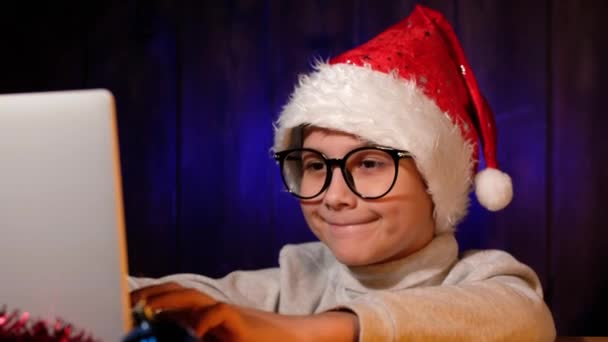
(338, 195)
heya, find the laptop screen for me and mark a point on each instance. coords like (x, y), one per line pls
(62, 249)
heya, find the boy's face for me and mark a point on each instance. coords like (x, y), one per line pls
(364, 232)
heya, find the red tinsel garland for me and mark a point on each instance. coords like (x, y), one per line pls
(19, 327)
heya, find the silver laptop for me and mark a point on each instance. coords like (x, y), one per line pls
(62, 240)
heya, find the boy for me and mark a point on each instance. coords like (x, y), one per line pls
(380, 146)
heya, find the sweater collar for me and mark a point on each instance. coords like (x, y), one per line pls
(428, 267)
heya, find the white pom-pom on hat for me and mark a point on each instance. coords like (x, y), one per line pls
(493, 189)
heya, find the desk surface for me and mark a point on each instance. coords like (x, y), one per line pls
(581, 339)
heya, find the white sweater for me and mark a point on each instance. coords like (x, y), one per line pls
(429, 295)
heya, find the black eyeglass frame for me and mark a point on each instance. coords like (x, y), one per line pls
(330, 163)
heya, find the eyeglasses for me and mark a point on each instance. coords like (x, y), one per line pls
(369, 172)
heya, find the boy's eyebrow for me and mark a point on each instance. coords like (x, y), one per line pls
(361, 144)
(366, 143)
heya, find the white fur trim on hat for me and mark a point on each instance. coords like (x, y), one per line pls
(389, 111)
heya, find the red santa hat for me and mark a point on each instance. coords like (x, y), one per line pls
(409, 88)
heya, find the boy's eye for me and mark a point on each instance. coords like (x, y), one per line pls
(314, 165)
(371, 164)
(369, 160)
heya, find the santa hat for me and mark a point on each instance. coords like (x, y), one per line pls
(409, 88)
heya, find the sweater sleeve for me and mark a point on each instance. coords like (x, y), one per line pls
(259, 289)
(485, 297)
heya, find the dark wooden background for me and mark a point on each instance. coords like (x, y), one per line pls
(198, 84)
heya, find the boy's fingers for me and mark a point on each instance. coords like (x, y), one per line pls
(219, 315)
(185, 318)
(154, 290)
(199, 321)
(179, 299)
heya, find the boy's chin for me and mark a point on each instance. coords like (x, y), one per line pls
(353, 258)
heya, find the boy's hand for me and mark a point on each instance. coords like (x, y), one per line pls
(208, 317)
(226, 322)
(201, 313)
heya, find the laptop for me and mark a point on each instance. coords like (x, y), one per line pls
(62, 238)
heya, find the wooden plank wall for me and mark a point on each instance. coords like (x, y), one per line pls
(198, 84)
(578, 165)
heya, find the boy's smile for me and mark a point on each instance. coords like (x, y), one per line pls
(361, 231)
(350, 230)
